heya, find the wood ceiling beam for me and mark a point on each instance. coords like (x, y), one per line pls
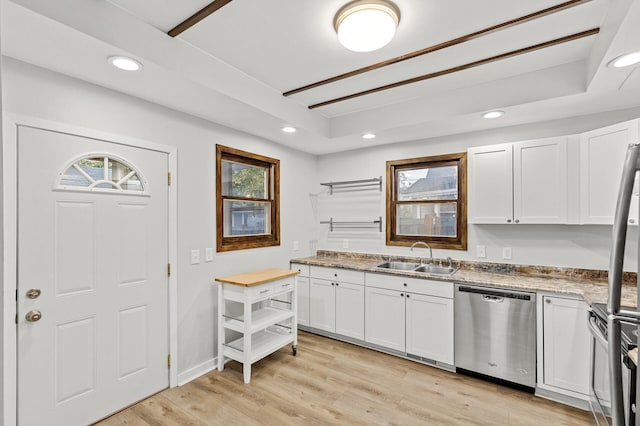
(197, 17)
(458, 68)
(443, 45)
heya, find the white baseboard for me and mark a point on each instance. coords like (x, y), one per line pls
(197, 371)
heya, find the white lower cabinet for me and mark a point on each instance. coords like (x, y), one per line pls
(303, 300)
(410, 315)
(429, 327)
(385, 318)
(564, 358)
(322, 305)
(337, 307)
(350, 310)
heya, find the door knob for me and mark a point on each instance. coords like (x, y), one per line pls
(33, 316)
(33, 293)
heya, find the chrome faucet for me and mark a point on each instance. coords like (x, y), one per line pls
(426, 246)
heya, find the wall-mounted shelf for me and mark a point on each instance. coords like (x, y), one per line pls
(347, 184)
(333, 225)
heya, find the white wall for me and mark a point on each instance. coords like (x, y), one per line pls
(3, 314)
(35, 92)
(552, 245)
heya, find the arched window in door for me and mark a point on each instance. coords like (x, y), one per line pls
(102, 173)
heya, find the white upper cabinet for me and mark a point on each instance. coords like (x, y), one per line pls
(490, 181)
(602, 154)
(522, 182)
(540, 181)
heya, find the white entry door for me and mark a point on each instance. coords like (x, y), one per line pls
(92, 261)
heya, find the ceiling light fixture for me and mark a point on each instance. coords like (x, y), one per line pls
(289, 129)
(625, 60)
(366, 25)
(493, 114)
(368, 136)
(124, 63)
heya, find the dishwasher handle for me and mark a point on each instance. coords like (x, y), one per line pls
(493, 299)
(484, 292)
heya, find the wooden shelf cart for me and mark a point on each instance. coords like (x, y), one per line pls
(264, 330)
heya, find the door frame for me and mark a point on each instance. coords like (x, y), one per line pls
(8, 326)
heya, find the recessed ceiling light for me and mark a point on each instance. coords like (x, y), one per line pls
(625, 60)
(368, 136)
(366, 25)
(289, 129)
(493, 114)
(124, 63)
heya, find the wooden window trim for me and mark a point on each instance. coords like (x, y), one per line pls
(273, 185)
(453, 243)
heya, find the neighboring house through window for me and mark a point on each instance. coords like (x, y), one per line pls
(247, 198)
(427, 201)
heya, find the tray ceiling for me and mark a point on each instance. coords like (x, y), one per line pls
(249, 52)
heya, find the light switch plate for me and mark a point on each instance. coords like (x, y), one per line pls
(209, 254)
(345, 243)
(481, 251)
(296, 245)
(195, 257)
(506, 253)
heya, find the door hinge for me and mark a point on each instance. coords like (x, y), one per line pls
(169, 361)
(169, 178)
(16, 318)
(168, 269)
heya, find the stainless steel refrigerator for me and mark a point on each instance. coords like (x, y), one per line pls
(622, 403)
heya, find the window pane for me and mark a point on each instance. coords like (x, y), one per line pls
(436, 183)
(87, 171)
(435, 220)
(246, 218)
(243, 180)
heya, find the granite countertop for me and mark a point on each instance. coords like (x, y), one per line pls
(590, 284)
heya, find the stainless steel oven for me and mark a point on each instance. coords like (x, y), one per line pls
(600, 388)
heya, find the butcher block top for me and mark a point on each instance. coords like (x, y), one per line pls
(249, 279)
(633, 355)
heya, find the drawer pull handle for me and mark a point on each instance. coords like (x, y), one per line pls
(286, 285)
(265, 291)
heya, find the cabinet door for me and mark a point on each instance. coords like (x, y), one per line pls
(322, 305)
(303, 300)
(350, 310)
(490, 184)
(567, 344)
(384, 318)
(540, 181)
(430, 327)
(602, 154)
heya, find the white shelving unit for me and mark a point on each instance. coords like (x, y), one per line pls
(264, 330)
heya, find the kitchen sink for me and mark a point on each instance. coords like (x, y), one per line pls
(436, 269)
(402, 266)
(417, 267)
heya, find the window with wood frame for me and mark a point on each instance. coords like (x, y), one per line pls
(427, 201)
(247, 200)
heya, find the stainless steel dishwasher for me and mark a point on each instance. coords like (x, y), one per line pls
(495, 333)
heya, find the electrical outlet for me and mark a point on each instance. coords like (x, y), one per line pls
(481, 251)
(296, 245)
(208, 254)
(345, 243)
(195, 257)
(506, 253)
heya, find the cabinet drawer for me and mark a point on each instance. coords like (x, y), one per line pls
(337, 274)
(412, 285)
(303, 269)
(267, 290)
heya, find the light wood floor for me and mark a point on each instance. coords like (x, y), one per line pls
(331, 382)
